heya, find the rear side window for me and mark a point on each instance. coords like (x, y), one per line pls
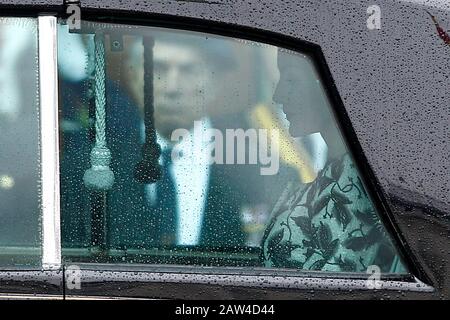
(20, 240)
(194, 149)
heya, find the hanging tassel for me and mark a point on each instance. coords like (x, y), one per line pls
(148, 169)
(100, 176)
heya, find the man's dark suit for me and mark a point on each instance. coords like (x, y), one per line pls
(132, 223)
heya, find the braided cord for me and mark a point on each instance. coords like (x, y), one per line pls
(148, 169)
(100, 92)
(100, 176)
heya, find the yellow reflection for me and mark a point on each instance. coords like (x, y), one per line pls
(291, 153)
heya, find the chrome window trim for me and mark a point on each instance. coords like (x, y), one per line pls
(250, 281)
(49, 142)
(235, 271)
(12, 296)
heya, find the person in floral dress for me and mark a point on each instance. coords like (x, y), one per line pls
(330, 223)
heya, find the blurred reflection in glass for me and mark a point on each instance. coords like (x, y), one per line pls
(19, 155)
(329, 224)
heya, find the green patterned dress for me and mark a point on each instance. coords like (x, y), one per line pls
(329, 224)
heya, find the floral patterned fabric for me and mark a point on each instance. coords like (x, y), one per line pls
(329, 225)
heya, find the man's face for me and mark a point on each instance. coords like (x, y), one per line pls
(182, 85)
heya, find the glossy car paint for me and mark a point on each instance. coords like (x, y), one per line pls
(393, 104)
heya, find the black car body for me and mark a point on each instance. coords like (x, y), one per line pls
(389, 86)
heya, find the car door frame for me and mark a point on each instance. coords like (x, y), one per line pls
(156, 281)
(44, 281)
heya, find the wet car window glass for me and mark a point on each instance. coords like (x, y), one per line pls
(20, 239)
(193, 149)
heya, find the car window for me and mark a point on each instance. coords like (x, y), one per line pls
(20, 239)
(188, 148)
